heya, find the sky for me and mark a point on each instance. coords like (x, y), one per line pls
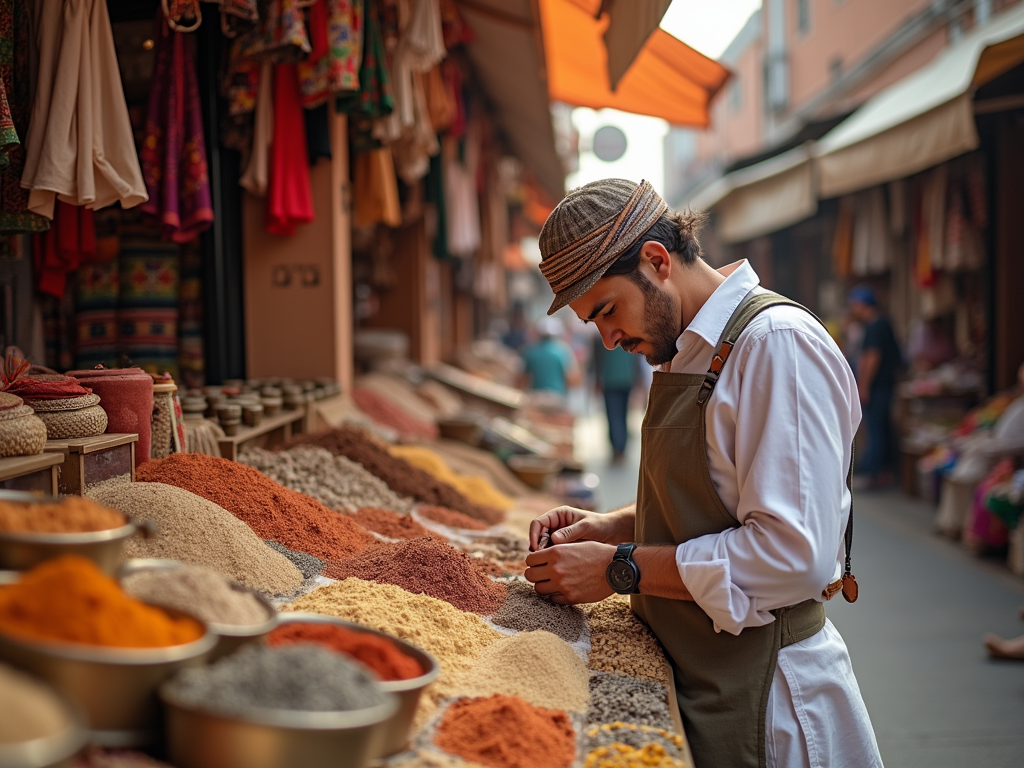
(706, 25)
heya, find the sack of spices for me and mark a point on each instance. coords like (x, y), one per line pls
(126, 395)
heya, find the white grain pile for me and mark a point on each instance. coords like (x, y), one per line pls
(198, 532)
(335, 481)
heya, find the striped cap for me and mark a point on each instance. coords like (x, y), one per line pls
(589, 229)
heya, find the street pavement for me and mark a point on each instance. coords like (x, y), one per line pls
(914, 635)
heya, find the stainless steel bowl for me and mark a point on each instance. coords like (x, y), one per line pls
(53, 751)
(230, 637)
(272, 738)
(115, 688)
(535, 471)
(21, 551)
(395, 735)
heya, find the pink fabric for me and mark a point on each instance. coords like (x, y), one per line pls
(126, 394)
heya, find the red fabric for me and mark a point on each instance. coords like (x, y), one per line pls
(317, 31)
(51, 387)
(289, 198)
(70, 240)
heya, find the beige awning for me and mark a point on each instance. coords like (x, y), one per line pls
(507, 54)
(630, 25)
(762, 198)
(924, 119)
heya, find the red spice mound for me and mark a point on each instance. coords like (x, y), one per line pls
(274, 512)
(451, 518)
(427, 567)
(488, 567)
(374, 651)
(506, 732)
(383, 411)
(393, 525)
(401, 476)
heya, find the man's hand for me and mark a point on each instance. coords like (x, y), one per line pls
(568, 524)
(571, 573)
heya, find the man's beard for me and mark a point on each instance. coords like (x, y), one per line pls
(661, 324)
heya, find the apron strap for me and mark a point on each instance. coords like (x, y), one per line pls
(757, 301)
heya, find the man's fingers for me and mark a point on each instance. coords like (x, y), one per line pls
(570, 533)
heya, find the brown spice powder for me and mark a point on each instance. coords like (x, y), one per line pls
(506, 732)
(271, 510)
(73, 514)
(393, 525)
(427, 567)
(450, 517)
(401, 476)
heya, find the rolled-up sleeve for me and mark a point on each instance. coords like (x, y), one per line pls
(792, 410)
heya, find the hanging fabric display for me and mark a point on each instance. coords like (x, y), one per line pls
(70, 240)
(280, 35)
(842, 242)
(461, 200)
(238, 16)
(318, 133)
(375, 97)
(147, 311)
(375, 189)
(289, 198)
(256, 175)
(173, 152)
(8, 133)
(336, 36)
(15, 31)
(80, 146)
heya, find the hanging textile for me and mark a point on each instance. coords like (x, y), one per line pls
(8, 133)
(238, 16)
(59, 251)
(871, 246)
(318, 133)
(842, 242)
(289, 197)
(15, 34)
(147, 307)
(336, 36)
(924, 272)
(934, 207)
(280, 35)
(461, 198)
(96, 315)
(440, 104)
(374, 97)
(173, 151)
(80, 145)
(255, 177)
(190, 317)
(375, 189)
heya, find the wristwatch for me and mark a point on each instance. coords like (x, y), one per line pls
(622, 574)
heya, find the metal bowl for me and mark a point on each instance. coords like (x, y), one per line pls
(115, 688)
(535, 471)
(53, 751)
(464, 430)
(395, 735)
(21, 551)
(230, 637)
(272, 738)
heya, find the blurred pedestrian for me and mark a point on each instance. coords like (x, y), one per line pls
(616, 372)
(549, 364)
(878, 365)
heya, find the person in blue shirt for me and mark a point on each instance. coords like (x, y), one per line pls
(549, 363)
(615, 374)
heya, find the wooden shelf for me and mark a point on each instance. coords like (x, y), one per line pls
(31, 473)
(272, 430)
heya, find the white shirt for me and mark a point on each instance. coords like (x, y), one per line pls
(780, 425)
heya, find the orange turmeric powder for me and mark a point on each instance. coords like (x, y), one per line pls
(70, 599)
(73, 514)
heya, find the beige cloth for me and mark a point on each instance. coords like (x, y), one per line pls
(257, 173)
(80, 146)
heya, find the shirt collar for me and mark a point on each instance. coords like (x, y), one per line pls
(710, 321)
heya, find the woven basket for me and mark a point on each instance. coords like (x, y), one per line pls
(8, 401)
(25, 436)
(67, 425)
(7, 414)
(66, 403)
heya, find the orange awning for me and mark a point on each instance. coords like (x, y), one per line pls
(668, 79)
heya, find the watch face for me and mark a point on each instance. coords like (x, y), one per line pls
(621, 576)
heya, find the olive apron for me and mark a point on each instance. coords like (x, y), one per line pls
(722, 680)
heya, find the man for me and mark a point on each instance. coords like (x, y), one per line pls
(877, 367)
(549, 364)
(615, 374)
(743, 500)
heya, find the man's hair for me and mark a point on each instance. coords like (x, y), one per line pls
(676, 230)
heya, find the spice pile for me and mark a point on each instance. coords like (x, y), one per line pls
(401, 476)
(428, 567)
(450, 517)
(335, 481)
(300, 677)
(308, 565)
(535, 666)
(393, 525)
(198, 532)
(625, 745)
(383, 411)
(70, 600)
(373, 651)
(271, 510)
(71, 515)
(506, 732)
(31, 710)
(525, 610)
(617, 697)
(620, 643)
(200, 592)
(451, 636)
(475, 488)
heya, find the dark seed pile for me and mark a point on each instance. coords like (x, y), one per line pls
(526, 611)
(617, 698)
(308, 565)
